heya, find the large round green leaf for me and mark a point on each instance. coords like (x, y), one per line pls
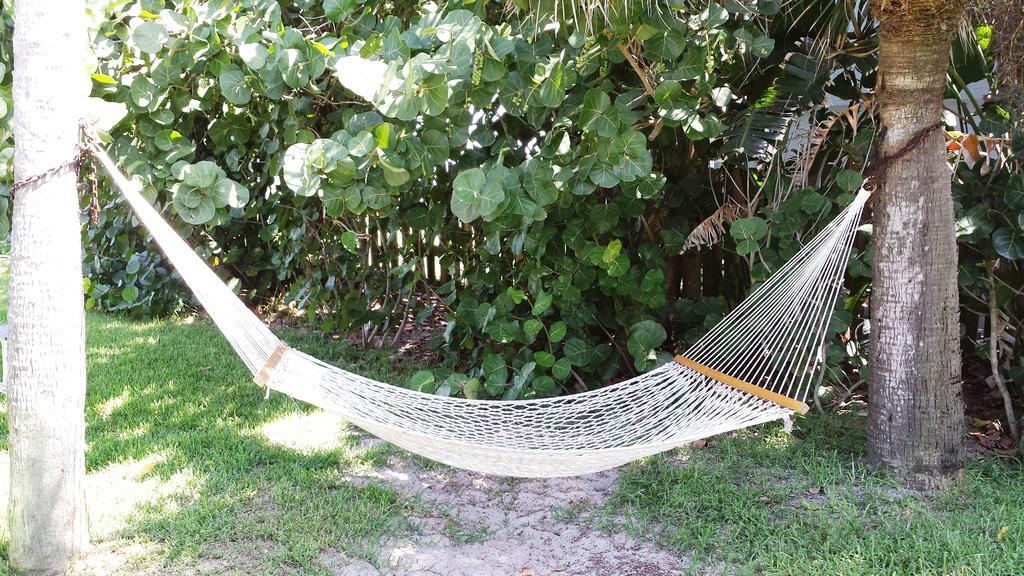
(604, 175)
(343, 173)
(495, 369)
(203, 174)
(232, 85)
(532, 327)
(751, 229)
(297, 174)
(636, 159)
(294, 67)
(144, 92)
(353, 198)
(466, 190)
(596, 114)
(338, 10)
(644, 337)
(761, 46)
(557, 332)
(667, 45)
(375, 197)
(1014, 192)
(604, 217)
(437, 149)
(538, 182)
(493, 192)
(544, 359)
(542, 303)
(166, 72)
(578, 352)
(187, 196)
(334, 200)
(849, 180)
(1009, 242)
(323, 155)
(230, 193)
(435, 94)
(167, 139)
(201, 213)
(422, 381)
(254, 55)
(362, 144)
(692, 65)
(350, 241)
(150, 37)
(394, 175)
(618, 266)
(130, 293)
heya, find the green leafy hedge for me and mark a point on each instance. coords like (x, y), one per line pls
(533, 161)
(554, 172)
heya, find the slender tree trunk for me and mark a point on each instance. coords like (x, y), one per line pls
(46, 395)
(690, 264)
(916, 411)
(673, 279)
(711, 271)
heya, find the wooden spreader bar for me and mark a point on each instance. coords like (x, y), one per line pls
(264, 376)
(784, 401)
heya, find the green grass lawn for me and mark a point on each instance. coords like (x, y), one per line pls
(764, 502)
(172, 393)
(174, 389)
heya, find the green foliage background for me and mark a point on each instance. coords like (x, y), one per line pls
(555, 180)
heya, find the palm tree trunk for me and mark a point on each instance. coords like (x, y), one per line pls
(46, 394)
(916, 410)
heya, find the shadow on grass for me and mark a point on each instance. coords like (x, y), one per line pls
(175, 392)
(764, 502)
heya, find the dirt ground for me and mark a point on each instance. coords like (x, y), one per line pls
(487, 526)
(481, 525)
(470, 524)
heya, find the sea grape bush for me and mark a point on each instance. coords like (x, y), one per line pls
(541, 164)
(554, 171)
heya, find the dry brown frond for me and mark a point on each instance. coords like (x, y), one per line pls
(713, 228)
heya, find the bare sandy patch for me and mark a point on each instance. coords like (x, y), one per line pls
(113, 495)
(480, 525)
(118, 556)
(115, 492)
(469, 524)
(306, 433)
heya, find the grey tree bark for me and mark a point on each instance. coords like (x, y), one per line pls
(916, 414)
(46, 392)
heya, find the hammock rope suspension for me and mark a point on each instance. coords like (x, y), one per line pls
(757, 365)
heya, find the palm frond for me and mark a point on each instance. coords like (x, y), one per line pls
(757, 132)
(713, 228)
(811, 141)
(806, 72)
(584, 14)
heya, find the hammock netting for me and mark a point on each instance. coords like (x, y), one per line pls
(757, 365)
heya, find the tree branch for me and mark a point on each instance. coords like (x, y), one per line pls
(996, 330)
(636, 68)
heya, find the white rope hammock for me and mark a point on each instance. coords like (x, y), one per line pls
(756, 365)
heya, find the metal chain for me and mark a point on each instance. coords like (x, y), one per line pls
(94, 204)
(877, 167)
(75, 163)
(88, 140)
